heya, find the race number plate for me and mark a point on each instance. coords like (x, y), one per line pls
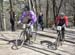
(59, 28)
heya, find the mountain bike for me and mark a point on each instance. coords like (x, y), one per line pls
(24, 37)
(58, 41)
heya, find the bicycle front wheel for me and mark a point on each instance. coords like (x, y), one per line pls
(21, 40)
(57, 43)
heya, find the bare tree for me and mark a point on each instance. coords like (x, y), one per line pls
(39, 5)
(47, 10)
(12, 16)
(56, 8)
(36, 6)
(72, 3)
(33, 5)
(1, 15)
(29, 4)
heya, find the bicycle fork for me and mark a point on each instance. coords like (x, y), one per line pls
(58, 40)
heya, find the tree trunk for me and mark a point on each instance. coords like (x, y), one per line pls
(36, 13)
(74, 19)
(36, 7)
(0, 22)
(33, 6)
(29, 4)
(39, 5)
(54, 12)
(59, 7)
(47, 9)
(10, 5)
(12, 16)
(56, 9)
(1, 15)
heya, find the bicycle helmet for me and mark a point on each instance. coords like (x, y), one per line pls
(27, 8)
(62, 14)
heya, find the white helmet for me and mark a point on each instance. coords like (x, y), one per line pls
(62, 14)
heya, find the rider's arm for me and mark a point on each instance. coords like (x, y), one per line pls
(57, 20)
(22, 17)
(66, 20)
(33, 17)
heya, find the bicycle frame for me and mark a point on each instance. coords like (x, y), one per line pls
(26, 28)
(59, 31)
(57, 43)
(59, 35)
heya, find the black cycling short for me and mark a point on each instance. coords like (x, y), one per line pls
(29, 21)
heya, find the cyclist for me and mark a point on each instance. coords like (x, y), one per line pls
(62, 20)
(28, 17)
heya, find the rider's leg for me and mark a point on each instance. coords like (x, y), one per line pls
(63, 33)
(27, 39)
(23, 26)
(31, 30)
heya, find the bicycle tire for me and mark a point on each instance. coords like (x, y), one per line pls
(29, 37)
(20, 41)
(58, 40)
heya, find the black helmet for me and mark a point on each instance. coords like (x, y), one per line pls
(27, 7)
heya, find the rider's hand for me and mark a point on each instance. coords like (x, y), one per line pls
(19, 22)
(64, 25)
(28, 25)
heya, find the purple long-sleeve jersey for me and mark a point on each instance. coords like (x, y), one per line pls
(32, 16)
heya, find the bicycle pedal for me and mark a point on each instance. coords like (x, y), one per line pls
(55, 48)
(30, 42)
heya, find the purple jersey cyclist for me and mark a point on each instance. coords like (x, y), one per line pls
(30, 15)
